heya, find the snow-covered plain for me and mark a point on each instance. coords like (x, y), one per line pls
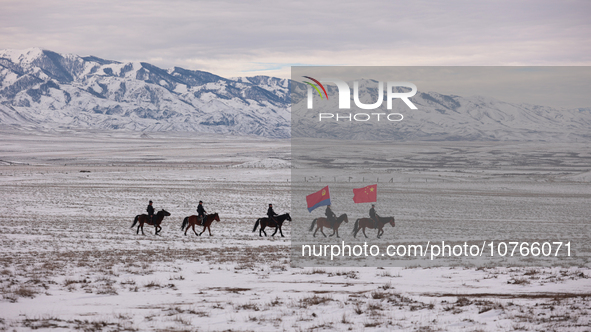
(479, 192)
(69, 259)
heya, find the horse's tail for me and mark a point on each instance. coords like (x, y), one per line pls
(356, 226)
(313, 224)
(135, 220)
(256, 225)
(185, 222)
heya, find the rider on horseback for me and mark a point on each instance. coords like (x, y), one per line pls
(150, 211)
(330, 216)
(373, 215)
(201, 212)
(271, 214)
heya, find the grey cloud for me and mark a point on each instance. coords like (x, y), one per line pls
(426, 32)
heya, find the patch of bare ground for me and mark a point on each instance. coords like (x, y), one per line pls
(532, 295)
(50, 322)
(230, 289)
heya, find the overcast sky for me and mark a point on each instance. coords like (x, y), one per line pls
(246, 38)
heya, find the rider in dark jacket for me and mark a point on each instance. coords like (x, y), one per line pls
(373, 215)
(271, 214)
(330, 216)
(201, 211)
(150, 211)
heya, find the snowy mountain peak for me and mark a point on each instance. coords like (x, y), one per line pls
(21, 56)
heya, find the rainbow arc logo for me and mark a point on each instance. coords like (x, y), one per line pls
(316, 87)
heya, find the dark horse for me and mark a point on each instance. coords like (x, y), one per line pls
(144, 219)
(266, 222)
(322, 222)
(363, 223)
(191, 221)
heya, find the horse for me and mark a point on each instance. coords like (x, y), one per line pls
(191, 221)
(266, 222)
(362, 223)
(145, 219)
(322, 222)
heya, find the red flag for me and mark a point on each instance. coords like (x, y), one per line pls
(366, 194)
(319, 198)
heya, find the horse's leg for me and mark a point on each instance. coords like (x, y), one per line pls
(209, 229)
(194, 230)
(336, 231)
(281, 232)
(262, 229)
(364, 232)
(333, 232)
(276, 228)
(317, 228)
(202, 231)
(322, 231)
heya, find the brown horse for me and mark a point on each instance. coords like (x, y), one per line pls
(144, 219)
(266, 222)
(363, 223)
(191, 221)
(322, 222)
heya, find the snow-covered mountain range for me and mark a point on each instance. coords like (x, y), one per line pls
(41, 89)
(438, 117)
(44, 89)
